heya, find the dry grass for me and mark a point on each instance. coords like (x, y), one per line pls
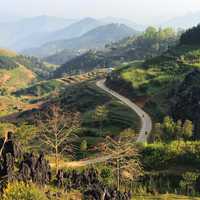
(8, 53)
(17, 78)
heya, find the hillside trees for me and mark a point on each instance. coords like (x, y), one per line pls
(173, 130)
(157, 39)
(7, 63)
(191, 36)
(185, 104)
(100, 115)
(57, 131)
(124, 158)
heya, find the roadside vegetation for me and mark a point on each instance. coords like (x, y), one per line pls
(78, 121)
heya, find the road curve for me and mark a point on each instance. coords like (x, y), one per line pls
(146, 123)
(146, 127)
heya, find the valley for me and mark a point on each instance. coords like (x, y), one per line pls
(99, 109)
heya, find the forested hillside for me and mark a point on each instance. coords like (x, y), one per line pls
(93, 39)
(67, 133)
(168, 84)
(153, 42)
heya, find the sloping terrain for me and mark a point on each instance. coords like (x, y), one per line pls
(167, 85)
(150, 44)
(93, 39)
(63, 56)
(17, 72)
(34, 31)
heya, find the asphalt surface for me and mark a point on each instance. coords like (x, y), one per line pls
(146, 123)
(146, 127)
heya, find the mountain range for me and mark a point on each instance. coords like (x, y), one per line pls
(18, 34)
(34, 32)
(94, 39)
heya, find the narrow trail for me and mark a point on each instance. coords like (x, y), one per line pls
(146, 127)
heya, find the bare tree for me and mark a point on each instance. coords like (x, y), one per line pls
(124, 157)
(57, 130)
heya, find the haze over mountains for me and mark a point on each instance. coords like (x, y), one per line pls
(36, 31)
(185, 21)
(34, 35)
(18, 33)
(94, 39)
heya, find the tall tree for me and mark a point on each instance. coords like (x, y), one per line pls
(57, 130)
(187, 129)
(124, 157)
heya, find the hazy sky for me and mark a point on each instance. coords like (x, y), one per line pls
(140, 11)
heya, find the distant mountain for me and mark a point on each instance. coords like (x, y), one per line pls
(94, 39)
(127, 22)
(75, 29)
(24, 32)
(186, 21)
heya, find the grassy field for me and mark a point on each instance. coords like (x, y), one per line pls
(10, 104)
(152, 84)
(40, 89)
(85, 97)
(16, 78)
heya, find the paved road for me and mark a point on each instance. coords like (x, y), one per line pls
(146, 123)
(146, 126)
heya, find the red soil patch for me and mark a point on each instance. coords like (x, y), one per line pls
(141, 101)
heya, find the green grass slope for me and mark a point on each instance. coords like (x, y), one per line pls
(157, 81)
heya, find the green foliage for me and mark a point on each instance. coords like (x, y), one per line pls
(6, 127)
(169, 127)
(7, 63)
(162, 155)
(107, 175)
(24, 134)
(22, 191)
(187, 129)
(101, 113)
(191, 36)
(83, 146)
(188, 182)
(152, 42)
(34, 64)
(40, 89)
(173, 130)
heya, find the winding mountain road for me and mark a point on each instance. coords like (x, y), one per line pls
(146, 126)
(146, 123)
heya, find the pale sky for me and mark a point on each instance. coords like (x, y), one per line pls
(139, 11)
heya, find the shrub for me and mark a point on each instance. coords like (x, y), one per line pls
(107, 175)
(22, 191)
